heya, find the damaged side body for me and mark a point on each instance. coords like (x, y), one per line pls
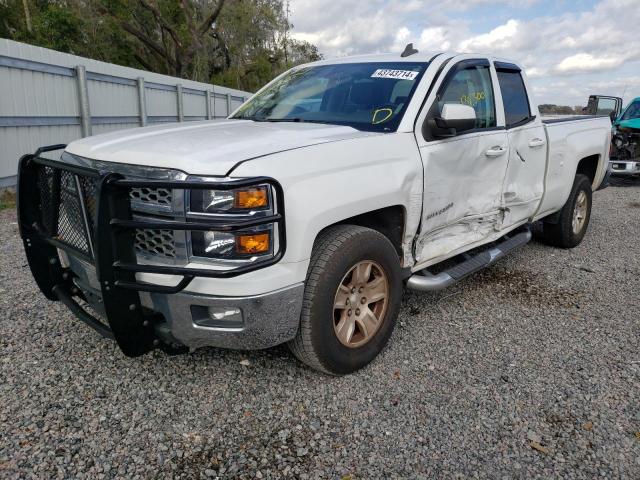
(456, 217)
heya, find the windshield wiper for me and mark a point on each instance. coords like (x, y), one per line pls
(248, 117)
(297, 120)
(264, 119)
(284, 120)
(275, 120)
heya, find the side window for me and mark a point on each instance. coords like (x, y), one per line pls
(472, 86)
(514, 97)
(606, 106)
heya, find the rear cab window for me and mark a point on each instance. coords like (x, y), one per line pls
(517, 110)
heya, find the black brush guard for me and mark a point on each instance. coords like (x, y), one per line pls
(103, 235)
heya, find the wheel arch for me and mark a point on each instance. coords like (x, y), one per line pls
(389, 221)
(588, 166)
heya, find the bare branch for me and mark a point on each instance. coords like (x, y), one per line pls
(204, 28)
(150, 43)
(206, 25)
(155, 11)
(188, 17)
(143, 62)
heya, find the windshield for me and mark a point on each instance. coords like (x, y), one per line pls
(632, 111)
(366, 96)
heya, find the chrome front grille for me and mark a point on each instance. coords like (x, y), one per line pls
(155, 201)
(162, 197)
(156, 242)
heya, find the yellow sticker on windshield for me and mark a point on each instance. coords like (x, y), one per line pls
(473, 98)
(388, 114)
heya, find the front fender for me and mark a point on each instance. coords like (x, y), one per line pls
(328, 183)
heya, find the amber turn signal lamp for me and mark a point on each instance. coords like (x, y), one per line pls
(251, 198)
(252, 244)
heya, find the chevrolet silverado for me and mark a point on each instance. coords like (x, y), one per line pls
(301, 217)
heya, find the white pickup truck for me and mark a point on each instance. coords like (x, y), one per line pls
(301, 217)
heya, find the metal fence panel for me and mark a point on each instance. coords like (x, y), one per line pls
(49, 97)
(161, 103)
(112, 127)
(112, 99)
(220, 103)
(194, 105)
(29, 93)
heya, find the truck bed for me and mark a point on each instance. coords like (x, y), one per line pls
(572, 138)
(568, 118)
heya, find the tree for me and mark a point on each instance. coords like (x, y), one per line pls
(173, 33)
(546, 109)
(237, 43)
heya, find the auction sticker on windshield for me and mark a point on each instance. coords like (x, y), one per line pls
(395, 74)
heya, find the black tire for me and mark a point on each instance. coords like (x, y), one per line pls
(335, 252)
(561, 233)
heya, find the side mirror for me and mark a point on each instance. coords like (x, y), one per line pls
(455, 118)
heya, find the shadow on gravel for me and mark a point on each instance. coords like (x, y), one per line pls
(526, 287)
(277, 358)
(624, 181)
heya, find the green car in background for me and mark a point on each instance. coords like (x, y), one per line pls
(625, 138)
(625, 142)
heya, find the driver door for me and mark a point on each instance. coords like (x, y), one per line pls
(464, 173)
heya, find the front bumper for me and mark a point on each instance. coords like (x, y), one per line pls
(624, 167)
(257, 322)
(189, 319)
(78, 231)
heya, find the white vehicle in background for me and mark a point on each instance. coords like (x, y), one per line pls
(300, 218)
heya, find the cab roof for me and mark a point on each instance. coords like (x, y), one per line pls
(420, 57)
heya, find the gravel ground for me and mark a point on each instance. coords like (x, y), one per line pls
(530, 369)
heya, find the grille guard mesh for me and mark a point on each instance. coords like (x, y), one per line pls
(87, 213)
(62, 216)
(57, 217)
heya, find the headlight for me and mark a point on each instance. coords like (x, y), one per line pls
(232, 246)
(242, 204)
(241, 200)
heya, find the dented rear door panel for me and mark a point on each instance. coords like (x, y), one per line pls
(524, 181)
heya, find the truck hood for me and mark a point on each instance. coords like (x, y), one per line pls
(631, 123)
(206, 147)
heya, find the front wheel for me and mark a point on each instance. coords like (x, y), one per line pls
(573, 220)
(351, 300)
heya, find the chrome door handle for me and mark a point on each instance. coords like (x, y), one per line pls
(536, 142)
(495, 151)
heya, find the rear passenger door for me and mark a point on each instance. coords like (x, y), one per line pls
(524, 179)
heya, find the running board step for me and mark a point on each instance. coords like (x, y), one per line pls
(425, 281)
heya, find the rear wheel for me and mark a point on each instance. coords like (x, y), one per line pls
(573, 220)
(351, 301)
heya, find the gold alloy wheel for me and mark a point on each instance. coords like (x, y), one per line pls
(360, 304)
(579, 213)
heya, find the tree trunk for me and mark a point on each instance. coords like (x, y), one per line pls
(27, 15)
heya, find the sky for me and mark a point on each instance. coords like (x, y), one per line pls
(570, 49)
